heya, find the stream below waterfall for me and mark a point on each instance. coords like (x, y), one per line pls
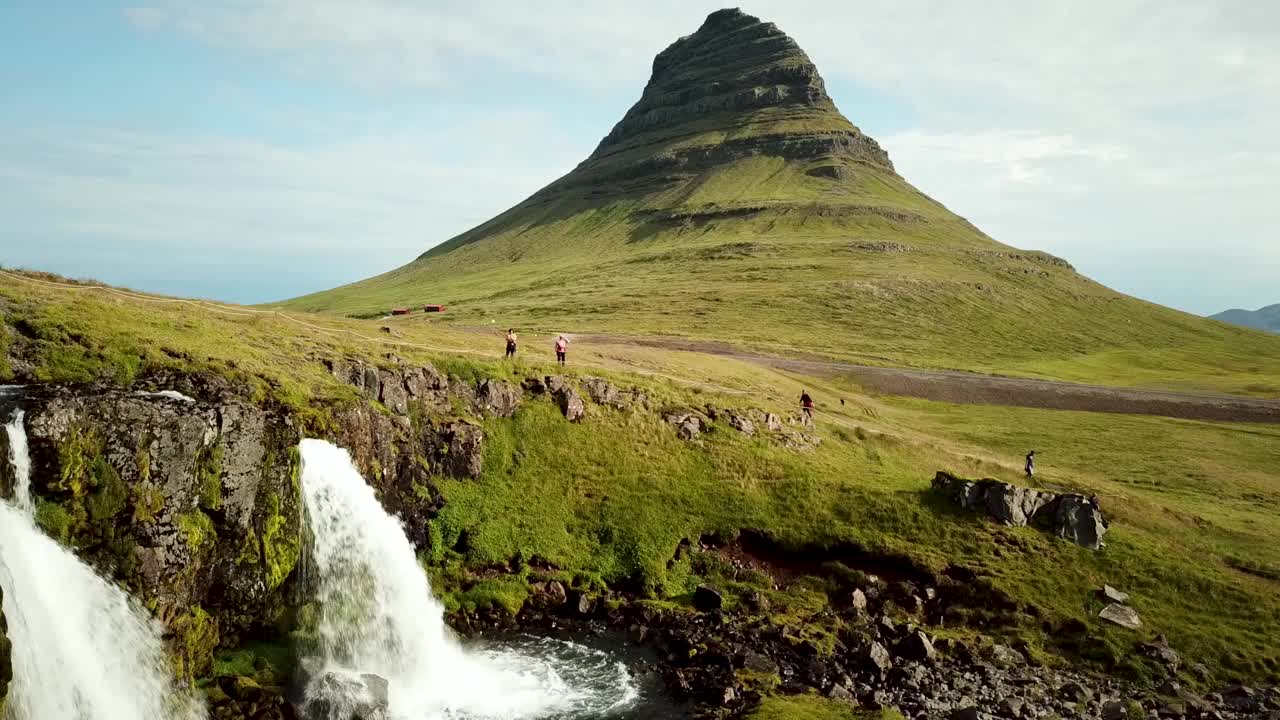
(382, 637)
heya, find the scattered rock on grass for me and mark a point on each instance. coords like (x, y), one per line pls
(707, 598)
(603, 392)
(1123, 616)
(1114, 595)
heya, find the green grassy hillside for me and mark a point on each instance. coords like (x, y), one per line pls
(734, 202)
(1193, 505)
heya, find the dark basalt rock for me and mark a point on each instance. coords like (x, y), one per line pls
(1069, 516)
(190, 505)
(707, 598)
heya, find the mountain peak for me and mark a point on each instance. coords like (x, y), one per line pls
(733, 65)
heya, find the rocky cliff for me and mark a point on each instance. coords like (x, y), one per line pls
(191, 504)
(187, 492)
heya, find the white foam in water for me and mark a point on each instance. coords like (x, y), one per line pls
(377, 615)
(82, 650)
(20, 460)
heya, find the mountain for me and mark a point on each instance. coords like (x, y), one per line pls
(735, 202)
(1267, 318)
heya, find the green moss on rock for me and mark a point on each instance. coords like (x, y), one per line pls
(198, 529)
(54, 520)
(209, 474)
(110, 496)
(148, 502)
(281, 546)
(198, 636)
(76, 455)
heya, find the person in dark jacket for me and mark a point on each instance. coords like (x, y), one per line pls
(806, 403)
(1031, 464)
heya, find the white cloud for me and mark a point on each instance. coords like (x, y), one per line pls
(995, 159)
(341, 210)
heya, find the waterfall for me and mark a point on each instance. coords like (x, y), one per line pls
(378, 616)
(82, 649)
(20, 460)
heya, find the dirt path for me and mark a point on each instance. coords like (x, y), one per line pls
(975, 389)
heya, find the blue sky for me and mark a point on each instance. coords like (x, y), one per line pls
(251, 150)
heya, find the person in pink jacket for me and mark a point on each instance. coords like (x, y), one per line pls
(562, 348)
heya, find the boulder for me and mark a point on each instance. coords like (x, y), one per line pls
(498, 397)
(555, 593)
(707, 598)
(858, 601)
(568, 400)
(334, 695)
(1011, 707)
(917, 646)
(1115, 710)
(840, 693)
(1159, 650)
(742, 423)
(1072, 517)
(1120, 615)
(1079, 520)
(689, 424)
(1076, 693)
(878, 660)
(759, 663)
(602, 392)
(1111, 594)
(1006, 657)
(583, 604)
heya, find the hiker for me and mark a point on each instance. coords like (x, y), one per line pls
(1031, 464)
(562, 347)
(806, 402)
(511, 342)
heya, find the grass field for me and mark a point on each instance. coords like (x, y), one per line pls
(1193, 504)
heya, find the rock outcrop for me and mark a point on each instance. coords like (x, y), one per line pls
(1069, 516)
(192, 506)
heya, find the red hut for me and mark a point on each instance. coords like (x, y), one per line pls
(432, 308)
(400, 311)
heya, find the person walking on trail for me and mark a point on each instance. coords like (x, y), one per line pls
(511, 342)
(562, 347)
(806, 403)
(1031, 464)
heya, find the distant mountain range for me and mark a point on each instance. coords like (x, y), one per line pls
(1268, 318)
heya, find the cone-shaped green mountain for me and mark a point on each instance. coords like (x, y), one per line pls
(734, 202)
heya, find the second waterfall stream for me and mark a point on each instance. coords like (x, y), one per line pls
(378, 616)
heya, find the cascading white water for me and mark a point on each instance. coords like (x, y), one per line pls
(20, 461)
(377, 615)
(82, 650)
